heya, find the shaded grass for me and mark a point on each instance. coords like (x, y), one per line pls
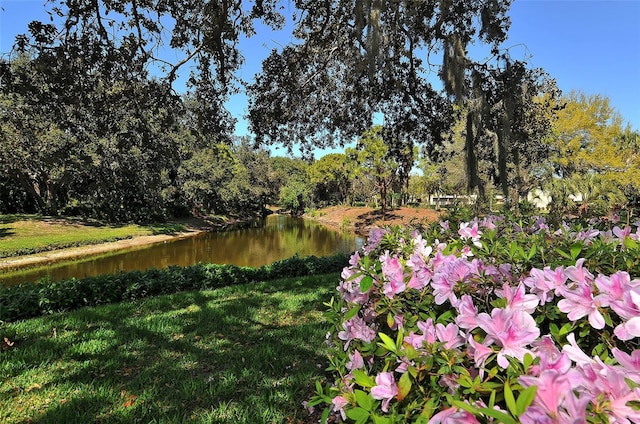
(242, 354)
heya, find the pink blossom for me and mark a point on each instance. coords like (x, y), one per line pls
(575, 353)
(628, 330)
(393, 274)
(546, 282)
(554, 389)
(453, 416)
(511, 330)
(339, 402)
(356, 328)
(518, 299)
(449, 335)
(385, 389)
(578, 273)
(349, 287)
(472, 233)
(355, 361)
(421, 275)
(581, 302)
(621, 233)
(612, 384)
(631, 363)
(478, 352)
(428, 334)
(550, 356)
(444, 281)
(467, 317)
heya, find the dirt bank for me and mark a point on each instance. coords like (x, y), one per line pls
(362, 219)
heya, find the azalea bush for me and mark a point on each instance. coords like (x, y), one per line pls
(490, 320)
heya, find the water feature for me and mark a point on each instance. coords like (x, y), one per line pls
(274, 238)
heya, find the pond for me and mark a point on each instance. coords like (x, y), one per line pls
(273, 238)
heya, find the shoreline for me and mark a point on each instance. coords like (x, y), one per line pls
(60, 255)
(358, 220)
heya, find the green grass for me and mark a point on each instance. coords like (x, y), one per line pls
(241, 354)
(22, 235)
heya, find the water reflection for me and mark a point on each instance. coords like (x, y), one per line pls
(277, 237)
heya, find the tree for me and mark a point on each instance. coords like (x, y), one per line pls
(372, 157)
(356, 60)
(330, 178)
(593, 148)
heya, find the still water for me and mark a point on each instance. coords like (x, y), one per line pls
(274, 238)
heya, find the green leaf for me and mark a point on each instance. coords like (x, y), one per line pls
(532, 252)
(630, 243)
(319, 389)
(563, 254)
(390, 320)
(510, 400)
(525, 399)
(325, 416)
(364, 400)
(492, 399)
(500, 416)
(576, 248)
(377, 419)
(352, 313)
(527, 361)
(366, 283)
(404, 386)
(387, 342)
(463, 405)
(358, 414)
(566, 329)
(362, 379)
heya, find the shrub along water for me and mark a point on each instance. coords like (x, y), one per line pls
(46, 297)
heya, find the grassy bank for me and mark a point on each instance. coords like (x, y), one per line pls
(28, 234)
(241, 354)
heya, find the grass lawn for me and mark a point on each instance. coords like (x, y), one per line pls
(241, 354)
(26, 234)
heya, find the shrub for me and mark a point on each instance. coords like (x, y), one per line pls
(492, 320)
(46, 297)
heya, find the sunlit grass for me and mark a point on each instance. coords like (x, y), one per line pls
(242, 354)
(25, 236)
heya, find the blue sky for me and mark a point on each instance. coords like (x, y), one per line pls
(593, 46)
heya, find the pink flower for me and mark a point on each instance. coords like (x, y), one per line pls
(553, 389)
(449, 335)
(467, 317)
(511, 330)
(356, 328)
(355, 361)
(339, 402)
(393, 275)
(385, 389)
(631, 363)
(472, 233)
(580, 302)
(451, 272)
(517, 299)
(453, 416)
(421, 275)
(628, 330)
(478, 352)
(579, 274)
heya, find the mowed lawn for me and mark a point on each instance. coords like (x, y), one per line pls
(25, 234)
(242, 354)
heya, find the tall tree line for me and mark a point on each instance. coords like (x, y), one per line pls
(91, 121)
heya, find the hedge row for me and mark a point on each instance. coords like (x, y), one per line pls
(44, 297)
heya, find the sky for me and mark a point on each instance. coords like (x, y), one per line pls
(588, 45)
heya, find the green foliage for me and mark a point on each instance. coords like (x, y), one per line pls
(45, 297)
